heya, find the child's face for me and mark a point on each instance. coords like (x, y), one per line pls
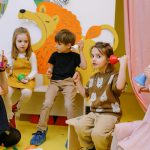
(62, 48)
(99, 61)
(22, 42)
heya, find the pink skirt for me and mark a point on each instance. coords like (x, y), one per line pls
(134, 135)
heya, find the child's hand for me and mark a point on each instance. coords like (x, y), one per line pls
(76, 77)
(143, 89)
(5, 62)
(147, 72)
(3, 66)
(123, 60)
(2, 92)
(24, 80)
(9, 70)
(49, 73)
(80, 45)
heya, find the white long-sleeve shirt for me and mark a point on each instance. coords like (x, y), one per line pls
(33, 62)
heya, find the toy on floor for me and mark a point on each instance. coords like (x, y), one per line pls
(4, 148)
(33, 147)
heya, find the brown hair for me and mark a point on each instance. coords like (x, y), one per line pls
(65, 36)
(107, 50)
(15, 51)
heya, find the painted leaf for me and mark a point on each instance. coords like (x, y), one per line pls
(93, 32)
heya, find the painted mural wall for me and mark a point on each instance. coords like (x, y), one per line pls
(89, 20)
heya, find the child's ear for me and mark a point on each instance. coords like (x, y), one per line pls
(69, 45)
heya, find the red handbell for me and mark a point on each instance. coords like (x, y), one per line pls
(113, 59)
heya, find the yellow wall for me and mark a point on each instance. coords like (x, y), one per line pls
(130, 106)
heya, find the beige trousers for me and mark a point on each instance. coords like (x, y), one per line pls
(95, 129)
(68, 89)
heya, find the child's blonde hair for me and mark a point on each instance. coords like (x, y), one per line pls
(107, 50)
(15, 51)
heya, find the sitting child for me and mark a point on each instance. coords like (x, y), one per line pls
(104, 88)
(134, 135)
(8, 136)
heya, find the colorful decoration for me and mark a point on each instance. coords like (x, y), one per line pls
(4, 148)
(3, 5)
(95, 31)
(37, 2)
(58, 2)
(50, 18)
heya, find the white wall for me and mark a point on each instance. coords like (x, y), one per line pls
(94, 12)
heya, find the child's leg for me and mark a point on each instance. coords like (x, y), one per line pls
(25, 97)
(69, 93)
(47, 105)
(8, 102)
(122, 131)
(83, 129)
(101, 133)
(3, 118)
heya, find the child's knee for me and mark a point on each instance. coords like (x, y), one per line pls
(101, 137)
(26, 93)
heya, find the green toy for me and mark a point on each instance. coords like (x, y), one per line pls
(15, 148)
(21, 76)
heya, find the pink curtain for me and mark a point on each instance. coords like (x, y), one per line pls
(137, 42)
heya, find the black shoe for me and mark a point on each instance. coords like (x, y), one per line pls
(10, 137)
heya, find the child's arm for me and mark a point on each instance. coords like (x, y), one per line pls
(9, 68)
(147, 73)
(83, 63)
(120, 84)
(78, 83)
(33, 72)
(49, 71)
(3, 80)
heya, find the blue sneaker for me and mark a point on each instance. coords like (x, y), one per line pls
(38, 138)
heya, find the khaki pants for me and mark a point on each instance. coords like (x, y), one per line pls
(68, 89)
(95, 129)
